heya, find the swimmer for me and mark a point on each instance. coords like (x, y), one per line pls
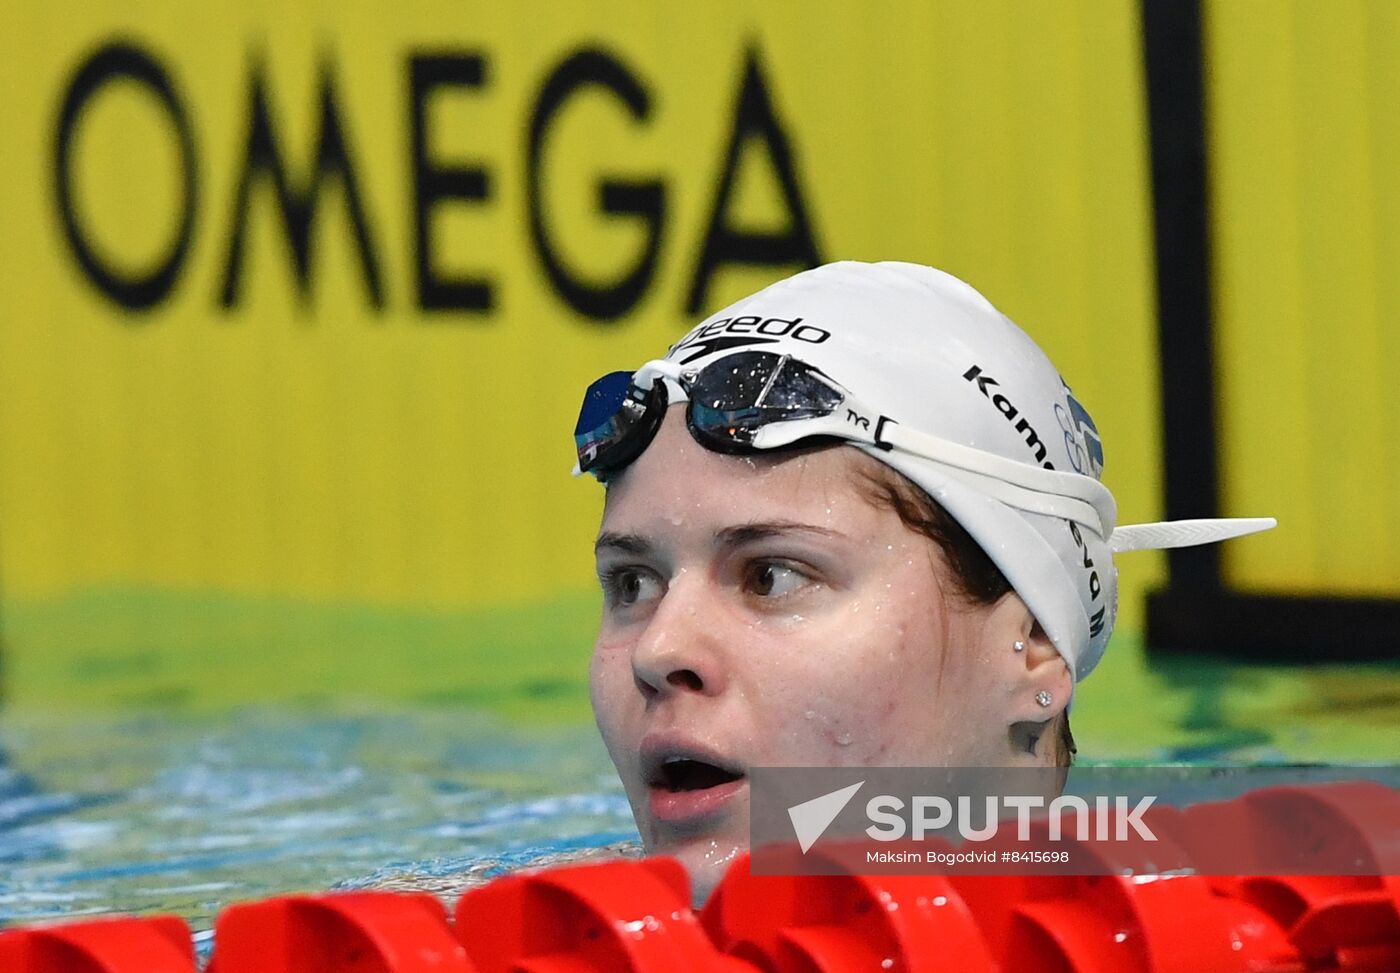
(855, 519)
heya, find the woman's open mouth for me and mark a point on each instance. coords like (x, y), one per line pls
(684, 787)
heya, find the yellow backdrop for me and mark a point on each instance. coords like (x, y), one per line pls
(398, 243)
(1306, 211)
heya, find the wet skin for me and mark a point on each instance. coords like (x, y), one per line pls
(764, 612)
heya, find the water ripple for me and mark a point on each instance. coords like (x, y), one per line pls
(184, 815)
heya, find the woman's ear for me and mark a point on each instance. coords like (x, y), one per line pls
(1049, 683)
(1037, 679)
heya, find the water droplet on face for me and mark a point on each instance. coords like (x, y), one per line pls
(676, 520)
(811, 714)
(843, 739)
(716, 856)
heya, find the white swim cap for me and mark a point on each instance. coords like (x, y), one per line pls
(932, 354)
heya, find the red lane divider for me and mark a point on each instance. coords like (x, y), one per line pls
(1339, 921)
(160, 944)
(354, 932)
(1160, 906)
(1353, 827)
(1357, 930)
(1136, 926)
(617, 916)
(839, 923)
(1155, 919)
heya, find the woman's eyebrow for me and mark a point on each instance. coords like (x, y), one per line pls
(637, 545)
(763, 530)
(625, 543)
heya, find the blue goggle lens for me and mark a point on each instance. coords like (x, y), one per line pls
(730, 400)
(616, 422)
(601, 402)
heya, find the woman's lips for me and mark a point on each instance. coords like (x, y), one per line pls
(687, 782)
(691, 807)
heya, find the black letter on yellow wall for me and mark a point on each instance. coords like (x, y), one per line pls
(435, 183)
(754, 116)
(297, 205)
(616, 197)
(115, 62)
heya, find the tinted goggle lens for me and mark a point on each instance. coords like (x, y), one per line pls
(730, 400)
(733, 398)
(601, 402)
(616, 421)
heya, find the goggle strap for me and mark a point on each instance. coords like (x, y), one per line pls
(1031, 501)
(988, 474)
(1035, 488)
(1185, 533)
(646, 376)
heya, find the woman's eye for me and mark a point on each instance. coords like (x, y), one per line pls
(628, 586)
(771, 580)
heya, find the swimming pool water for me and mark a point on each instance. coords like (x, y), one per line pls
(137, 811)
(160, 813)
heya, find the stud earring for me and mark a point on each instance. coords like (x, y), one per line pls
(1044, 698)
(1019, 646)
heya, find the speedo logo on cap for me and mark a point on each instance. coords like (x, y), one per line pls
(743, 331)
(990, 388)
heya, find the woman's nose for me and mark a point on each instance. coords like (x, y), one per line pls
(680, 650)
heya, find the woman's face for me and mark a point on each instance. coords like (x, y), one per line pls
(763, 612)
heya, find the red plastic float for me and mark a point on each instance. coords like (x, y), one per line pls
(839, 923)
(618, 916)
(354, 932)
(160, 944)
(1351, 827)
(1140, 914)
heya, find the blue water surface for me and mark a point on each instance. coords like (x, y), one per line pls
(140, 814)
(132, 813)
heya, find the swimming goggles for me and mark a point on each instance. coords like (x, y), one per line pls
(755, 401)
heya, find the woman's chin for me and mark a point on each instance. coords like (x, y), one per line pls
(705, 853)
(706, 862)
